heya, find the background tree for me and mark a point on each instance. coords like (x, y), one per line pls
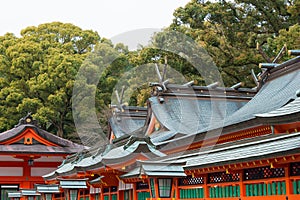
(229, 31)
(37, 74)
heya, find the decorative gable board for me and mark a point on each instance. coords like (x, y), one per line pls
(28, 137)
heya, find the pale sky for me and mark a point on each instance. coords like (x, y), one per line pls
(108, 17)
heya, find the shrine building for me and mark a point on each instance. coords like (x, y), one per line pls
(28, 152)
(195, 142)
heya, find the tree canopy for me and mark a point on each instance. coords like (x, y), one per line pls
(230, 31)
(37, 73)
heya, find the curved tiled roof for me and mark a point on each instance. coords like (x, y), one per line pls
(273, 95)
(277, 89)
(129, 120)
(4, 136)
(190, 115)
(63, 145)
(134, 147)
(291, 108)
(259, 149)
(39, 149)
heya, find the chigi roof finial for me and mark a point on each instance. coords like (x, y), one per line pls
(28, 119)
(160, 86)
(119, 107)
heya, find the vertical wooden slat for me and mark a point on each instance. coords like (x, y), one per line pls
(217, 192)
(220, 191)
(226, 191)
(255, 186)
(283, 186)
(279, 191)
(250, 189)
(235, 191)
(269, 189)
(260, 189)
(247, 190)
(223, 191)
(294, 187)
(190, 193)
(265, 189)
(274, 188)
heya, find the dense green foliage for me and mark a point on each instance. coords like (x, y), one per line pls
(229, 31)
(38, 69)
(37, 73)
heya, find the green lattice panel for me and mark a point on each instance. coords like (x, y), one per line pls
(191, 193)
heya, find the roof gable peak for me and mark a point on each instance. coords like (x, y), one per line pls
(27, 120)
(28, 137)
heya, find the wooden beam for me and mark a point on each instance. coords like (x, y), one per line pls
(264, 55)
(294, 52)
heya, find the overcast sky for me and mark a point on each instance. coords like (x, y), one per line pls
(108, 17)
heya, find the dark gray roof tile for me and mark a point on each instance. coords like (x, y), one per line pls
(291, 108)
(128, 120)
(191, 115)
(38, 148)
(14, 132)
(273, 95)
(261, 148)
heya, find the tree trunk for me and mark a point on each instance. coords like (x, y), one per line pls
(60, 131)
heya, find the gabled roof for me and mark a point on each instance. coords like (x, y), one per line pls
(285, 114)
(156, 169)
(42, 188)
(183, 110)
(133, 149)
(186, 114)
(127, 120)
(262, 148)
(88, 157)
(73, 183)
(246, 150)
(28, 137)
(279, 88)
(14, 194)
(29, 192)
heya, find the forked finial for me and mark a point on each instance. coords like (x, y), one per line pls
(162, 84)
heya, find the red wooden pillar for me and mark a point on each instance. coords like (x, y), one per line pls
(242, 186)
(102, 194)
(175, 188)
(26, 175)
(91, 196)
(288, 184)
(156, 188)
(205, 186)
(120, 194)
(135, 192)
